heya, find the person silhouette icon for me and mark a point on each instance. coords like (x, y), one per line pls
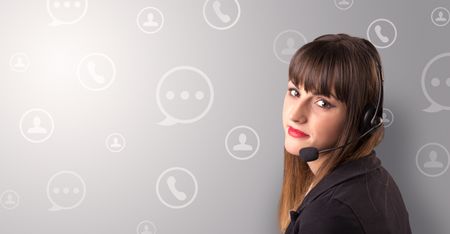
(19, 63)
(150, 21)
(289, 50)
(146, 230)
(440, 17)
(433, 163)
(9, 200)
(242, 146)
(37, 128)
(116, 143)
(385, 118)
(343, 2)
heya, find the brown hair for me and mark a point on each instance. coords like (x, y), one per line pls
(349, 66)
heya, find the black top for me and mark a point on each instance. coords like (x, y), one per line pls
(359, 196)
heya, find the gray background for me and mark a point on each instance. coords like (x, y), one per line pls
(234, 196)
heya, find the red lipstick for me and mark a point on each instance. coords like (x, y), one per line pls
(296, 133)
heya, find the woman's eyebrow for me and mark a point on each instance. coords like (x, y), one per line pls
(315, 93)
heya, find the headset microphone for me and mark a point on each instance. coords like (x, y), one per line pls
(368, 124)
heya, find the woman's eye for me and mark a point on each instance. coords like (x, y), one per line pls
(324, 104)
(293, 92)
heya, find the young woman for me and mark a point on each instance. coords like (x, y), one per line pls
(333, 181)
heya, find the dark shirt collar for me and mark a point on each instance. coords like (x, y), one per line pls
(340, 174)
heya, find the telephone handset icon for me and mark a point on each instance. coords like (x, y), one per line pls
(380, 36)
(93, 73)
(223, 17)
(171, 184)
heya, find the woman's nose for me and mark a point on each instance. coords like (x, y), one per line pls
(299, 112)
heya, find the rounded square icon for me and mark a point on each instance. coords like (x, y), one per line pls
(242, 142)
(65, 190)
(436, 83)
(150, 20)
(19, 62)
(176, 187)
(9, 199)
(287, 43)
(440, 16)
(184, 95)
(66, 11)
(36, 125)
(96, 71)
(146, 227)
(343, 4)
(388, 117)
(115, 142)
(432, 159)
(221, 14)
(382, 33)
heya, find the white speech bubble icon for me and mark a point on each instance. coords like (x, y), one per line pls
(436, 83)
(65, 190)
(184, 95)
(66, 11)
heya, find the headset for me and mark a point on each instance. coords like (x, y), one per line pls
(372, 118)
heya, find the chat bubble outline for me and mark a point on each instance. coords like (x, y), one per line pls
(57, 22)
(170, 119)
(55, 206)
(435, 106)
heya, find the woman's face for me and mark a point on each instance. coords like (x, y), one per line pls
(319, 117)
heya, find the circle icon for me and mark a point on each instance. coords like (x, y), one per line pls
(67, 11)
(440, 16)
(286, 44)
(221, 14)
(19, 62)
(343, 4)
(150, 20)
(184, 95)
(382, 33)
(242, 142)
(65, 190)
(36, 125)
(436, 83)
(96, 71)
(9, 199)
(146, 227)
(388, 117)
(176, 187)
(115, 142)
(432, 159)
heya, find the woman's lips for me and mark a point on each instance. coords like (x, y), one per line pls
(296, 133)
